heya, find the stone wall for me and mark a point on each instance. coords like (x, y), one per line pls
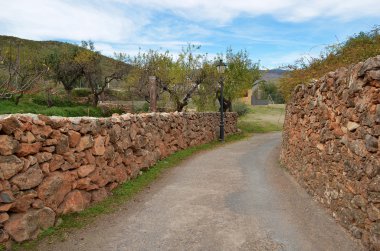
(51, 166)
(331, 145)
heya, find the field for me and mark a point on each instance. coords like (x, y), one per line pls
(262, 119)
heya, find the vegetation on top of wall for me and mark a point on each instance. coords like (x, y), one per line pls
(356, 48)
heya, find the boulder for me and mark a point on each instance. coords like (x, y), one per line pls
(99, 195)
(43, 131)
(98, 148)
(75, 201)
(28, 179)
(25, 149)
(56, 162)
(54, 188)
(74, 138)
(369, 64)
(85, 142)
(43, 157)
(62, 145)
(24, 201)
(28, 138)
(8, 145)
(25, 226)
(10, 124)
(10, 166)
(85, 170)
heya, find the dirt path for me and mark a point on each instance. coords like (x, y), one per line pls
(232, 198)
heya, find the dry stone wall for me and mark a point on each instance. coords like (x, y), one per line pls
(331, 144)
(51, 166)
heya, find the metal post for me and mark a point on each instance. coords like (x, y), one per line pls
(221, 136)
(153, 94)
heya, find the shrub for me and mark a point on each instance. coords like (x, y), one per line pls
(60, 101)
(81, 92)
(142, 108)
(240, 108)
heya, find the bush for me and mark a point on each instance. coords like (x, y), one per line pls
(142, 108)
(60, 101)
(81, 92)
(240, 108)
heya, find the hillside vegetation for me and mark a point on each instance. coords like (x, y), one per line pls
(45, 48)
(357, 48)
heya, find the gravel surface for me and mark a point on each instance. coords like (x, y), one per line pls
(235, 197)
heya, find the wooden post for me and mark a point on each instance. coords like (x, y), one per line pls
(153, 93)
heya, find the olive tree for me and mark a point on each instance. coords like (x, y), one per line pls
(22, 68)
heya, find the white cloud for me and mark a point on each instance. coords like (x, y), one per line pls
(223, 11)
(71, 20)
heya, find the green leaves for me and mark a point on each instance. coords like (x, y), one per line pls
(192, 76)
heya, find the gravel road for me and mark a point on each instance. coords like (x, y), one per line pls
(235, 197)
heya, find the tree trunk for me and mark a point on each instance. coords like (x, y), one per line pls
(69, 94)
(17, 99)
(180, 107)
(49, 101)
(227, 105)
(95, 101)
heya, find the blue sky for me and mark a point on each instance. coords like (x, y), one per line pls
(276, 32)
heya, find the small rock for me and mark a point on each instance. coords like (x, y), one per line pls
(99, 195)
(375, 184)
(85, 170)
(43, 157)
(9, 166)
(28, 138)
(359, 201)
(75, 201)
(373, 213)
(352, 126)
(25, 149)
(358, 147)
(98, 148)
(29, 179)
(74, 138)
(56, 162)
(8, 146)
(356, 232)
(63, 145)
(37, 203)
(24, 201)
(3, 217)
(320, 147)
(6, 197)
(5, 207)
(10, 124)
(371, 143)
(85, 143)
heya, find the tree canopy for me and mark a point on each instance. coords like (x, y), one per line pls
(191, 76)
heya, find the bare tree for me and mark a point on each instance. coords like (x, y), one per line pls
(22, 68)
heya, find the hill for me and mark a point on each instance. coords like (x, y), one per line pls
(273, 74)
(47, 47)
(355, 49)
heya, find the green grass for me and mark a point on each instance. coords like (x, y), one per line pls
(26, 105)
(262, 119)
(127, 190)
